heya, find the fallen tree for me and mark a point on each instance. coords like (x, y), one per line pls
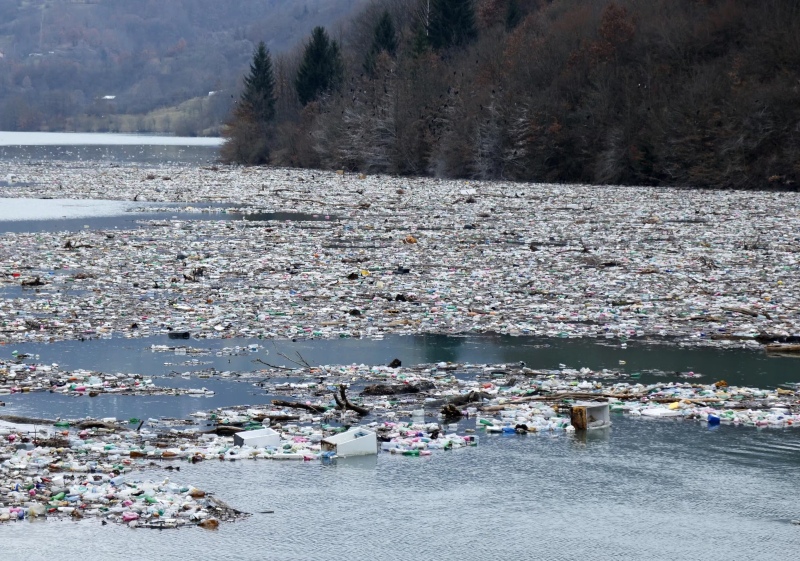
(397, 389)
(471, 397)
(343, 403)
(297, 405)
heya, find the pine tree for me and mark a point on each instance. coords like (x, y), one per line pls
(513, 15)
(321, 69)
(384, 40)
(248, 134)
(452, 23)
(258, 97)
(420, 43)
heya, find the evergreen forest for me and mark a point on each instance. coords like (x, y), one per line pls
(698, 93)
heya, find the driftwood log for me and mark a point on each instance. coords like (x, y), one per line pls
(451, 412)
(397, 389)
(35, 282)
(226, 430)
(470, 397)
(785, 349)
(493, 408)
(96, 425)
(343, 403)
(745, 311)
(27, 420)
(296, 405)
(765, 338)
(275, 418)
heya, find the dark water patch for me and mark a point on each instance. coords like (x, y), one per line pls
(647, 362)
(287, 217)
(43, 293)
(58, 405)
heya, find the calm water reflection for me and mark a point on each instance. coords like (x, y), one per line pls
(737, 366)
(110, 148)
(74, 215)
(72, 139)
(653, 363)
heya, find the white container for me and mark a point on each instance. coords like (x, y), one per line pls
(257, 438)
(354, 442)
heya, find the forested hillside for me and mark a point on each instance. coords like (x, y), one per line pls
(81, 64)
(690, 92)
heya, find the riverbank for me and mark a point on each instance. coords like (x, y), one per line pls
(403, 256)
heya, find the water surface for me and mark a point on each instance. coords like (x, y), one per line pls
(62, 139)
(649, 363)
(645, 489)
(73, 215)
(652, 361)
(106, 147)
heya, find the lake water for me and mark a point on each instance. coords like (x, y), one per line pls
(643, 489)
(653, 363)
(100, 139)
(74, 215)
(109, 148)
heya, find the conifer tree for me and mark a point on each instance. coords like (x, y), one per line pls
(513, 15)
(248, 134)
(420, 43)
(452, 23)
(384, 40)
(258, 97)
(321, 69)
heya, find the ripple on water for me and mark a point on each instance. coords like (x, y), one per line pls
(645, 490)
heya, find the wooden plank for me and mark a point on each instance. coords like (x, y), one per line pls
(578, 417)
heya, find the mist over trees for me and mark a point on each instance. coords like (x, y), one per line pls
(699, 93)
